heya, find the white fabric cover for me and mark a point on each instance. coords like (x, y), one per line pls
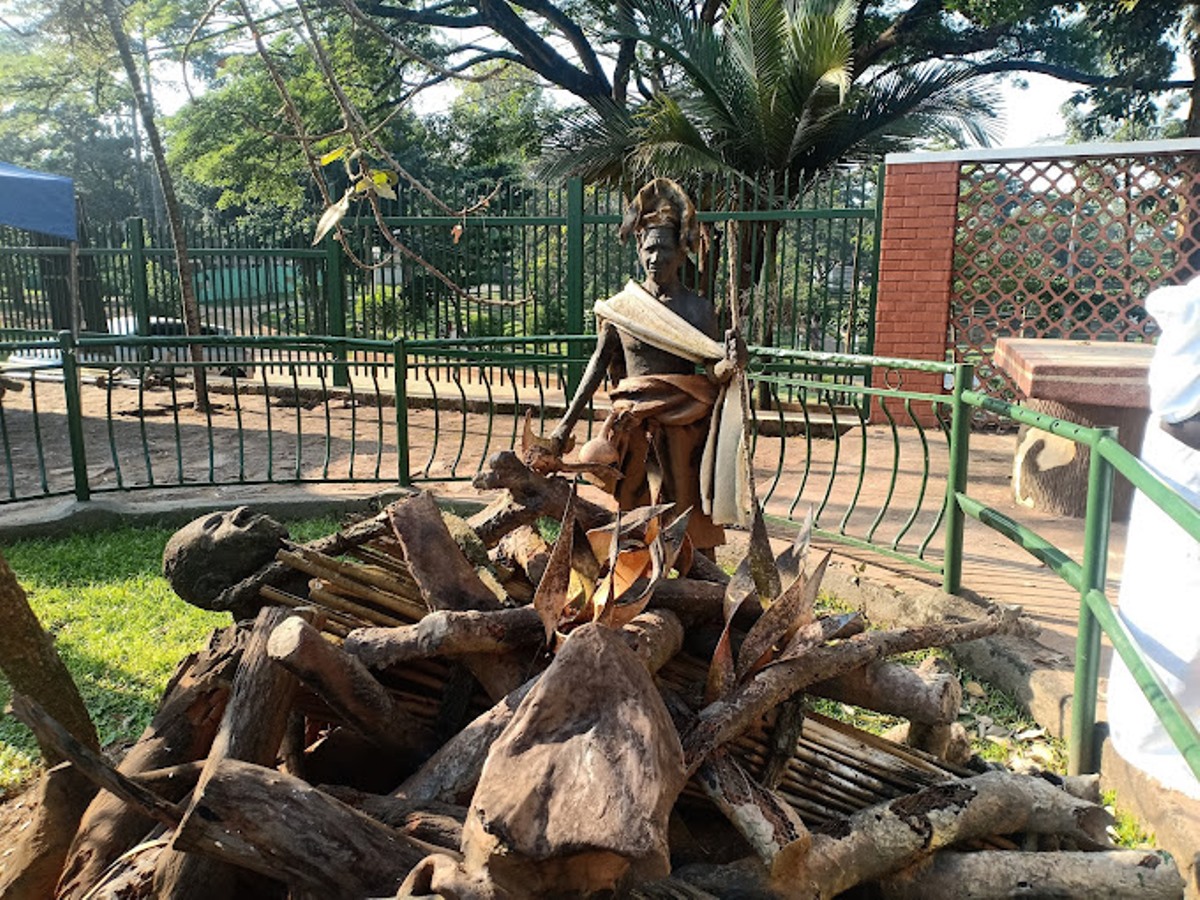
(1175, 368)
(1160, 584)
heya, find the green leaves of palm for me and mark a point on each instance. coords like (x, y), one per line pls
(771, 93)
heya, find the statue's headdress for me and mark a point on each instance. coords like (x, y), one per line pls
(659, 203)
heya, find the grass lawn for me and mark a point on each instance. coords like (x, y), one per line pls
(117, 624)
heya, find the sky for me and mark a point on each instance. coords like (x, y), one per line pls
(1031, 114)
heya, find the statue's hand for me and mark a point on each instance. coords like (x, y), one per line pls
(736, 357)
(736, 350)
(544, 454)
(559, 443)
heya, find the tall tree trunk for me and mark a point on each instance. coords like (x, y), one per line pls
(187, 290)
(1191, 34)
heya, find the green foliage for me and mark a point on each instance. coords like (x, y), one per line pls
(495, 126)
(379, 313)
(766, 94)
(59, 114)
(1126, 831)
(117, 624)
(227, 144)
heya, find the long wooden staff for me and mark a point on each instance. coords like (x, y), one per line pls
(762, 560)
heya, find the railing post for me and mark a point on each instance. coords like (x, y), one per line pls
(873, 294)
(574, 275)
(135, 237)
(956, 478)
(335, 295)
(400, 378)
(1096, 526)
(71, 388)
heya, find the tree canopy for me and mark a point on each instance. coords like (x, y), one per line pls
(1121, 54)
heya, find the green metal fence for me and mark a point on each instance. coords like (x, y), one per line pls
(533, 262)
(882, 468)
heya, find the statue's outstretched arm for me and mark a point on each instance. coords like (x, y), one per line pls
(608, 344)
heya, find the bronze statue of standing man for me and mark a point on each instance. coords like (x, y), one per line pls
(675, 430)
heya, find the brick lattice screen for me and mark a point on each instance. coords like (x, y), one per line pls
(1068, 248)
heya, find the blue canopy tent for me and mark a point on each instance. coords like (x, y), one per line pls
(38, 201)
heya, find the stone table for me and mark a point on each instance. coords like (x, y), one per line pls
(1090, 383)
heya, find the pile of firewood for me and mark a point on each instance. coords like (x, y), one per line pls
(431, 709)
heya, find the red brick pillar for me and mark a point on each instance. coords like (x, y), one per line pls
(916, 259)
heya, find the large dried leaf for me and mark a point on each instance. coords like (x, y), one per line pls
(333, 214)
(761, 558)
(605, 589)
(552, 592)
(791, 611)
(664, 549)
(792, 561)
(740, 584)
(722, 677)
(629, 567)
(625, 524)
(722, 674)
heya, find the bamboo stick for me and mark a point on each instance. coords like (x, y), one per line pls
(316, 566)
(364, 614)
(372, 575)
(336, 624)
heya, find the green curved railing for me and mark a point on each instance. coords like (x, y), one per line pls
(876, 447)
(1096, 614)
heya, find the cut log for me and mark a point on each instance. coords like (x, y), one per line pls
(891, 836)
(259, 819)
(277, 825)
(724, 719)
(446, 633)
(746, 879)
(181, 731)
(440, 876)
(897, 690)
(350, 690)
(525, 549)
(252, 729)
(132, 876)
(1116, 875)
(31, 869)
(33, 667)
(576, 792)
(448, 581)
(693, 600)
(763, 818)
(532, 496)
(451, 773)
(439, 824)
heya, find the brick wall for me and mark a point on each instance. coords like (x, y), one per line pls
(916, 258)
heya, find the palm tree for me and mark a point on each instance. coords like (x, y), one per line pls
(765, 101)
